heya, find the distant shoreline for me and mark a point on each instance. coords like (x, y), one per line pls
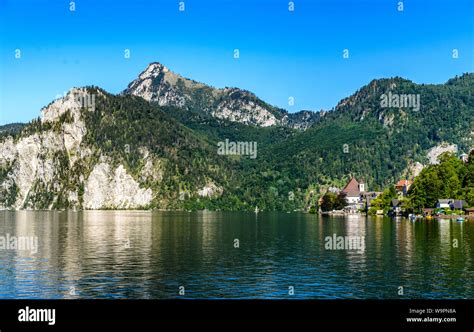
(340, 214)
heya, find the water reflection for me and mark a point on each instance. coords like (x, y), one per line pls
(141, 254)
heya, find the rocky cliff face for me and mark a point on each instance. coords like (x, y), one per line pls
(94, 150)
(114, 189)
(33, 158)
(36, 169)
(158, 84)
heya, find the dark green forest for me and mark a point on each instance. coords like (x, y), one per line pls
(358, 138)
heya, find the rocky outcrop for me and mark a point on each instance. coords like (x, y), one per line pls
(415, 168)
(114, 189)
(29, 160)
(35, 165)
(152, 170)
(239, 107)
(210, 190)
(158, 84)
(438, 150)
(302, 120)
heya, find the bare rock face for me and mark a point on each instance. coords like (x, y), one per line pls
(71, 102)
(413, 170)
(210, 190)
(158, 84)
(26, 166)
(436, 151)
(28, 160)
(244, 110)
(7, 152)
(152, 169)
(109, 188)
(35, 165)
(31, 159)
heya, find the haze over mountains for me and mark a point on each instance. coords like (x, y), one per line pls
(155, 145)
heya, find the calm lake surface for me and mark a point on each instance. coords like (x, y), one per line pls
(141, 254)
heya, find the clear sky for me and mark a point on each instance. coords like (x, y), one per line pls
(282, 53)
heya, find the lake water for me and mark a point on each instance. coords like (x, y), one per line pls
(141, 254)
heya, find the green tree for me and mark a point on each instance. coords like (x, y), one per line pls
(451, 178)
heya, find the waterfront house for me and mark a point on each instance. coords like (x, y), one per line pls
(403, 186)
(469, 211)
(357, 197)
(396, 207)
(458, 204)
(354, 192)
(443, 203)
(369, 196)
(452, 204)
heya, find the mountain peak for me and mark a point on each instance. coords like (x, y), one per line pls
(154, 69)
(160, 85)
(156, 84)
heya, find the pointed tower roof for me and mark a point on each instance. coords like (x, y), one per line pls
(351, 188)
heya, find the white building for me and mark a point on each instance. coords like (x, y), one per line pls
(354, 192)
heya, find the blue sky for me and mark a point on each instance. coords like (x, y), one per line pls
(282, 53)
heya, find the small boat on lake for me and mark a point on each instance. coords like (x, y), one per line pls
(460, 219)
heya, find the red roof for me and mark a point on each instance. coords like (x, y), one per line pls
(402, 183)
(351, 188)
